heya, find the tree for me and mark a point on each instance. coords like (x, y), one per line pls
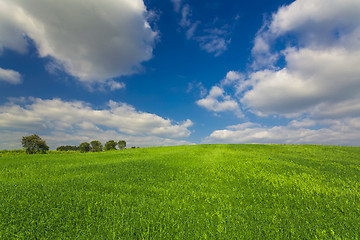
(110, 145)
(96, 146)
(122, 144)
(61, 148)
(67, 148)
(84, 147)
(34, 144)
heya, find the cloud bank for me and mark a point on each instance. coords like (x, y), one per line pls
(94, 41)
(307, 131)
(78, 121)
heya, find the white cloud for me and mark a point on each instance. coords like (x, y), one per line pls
(94, 40)
(302, 123)
(321, 54)
(243, 126)
(317, 16)
(261, 52)
(233, 78)
(217, 101)
(317, 24)
(10, 76)
(344, 132)
(349, 108)
(115, 85)
(316, 83)
(80, 120)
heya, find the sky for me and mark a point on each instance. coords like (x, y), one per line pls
(179, 72)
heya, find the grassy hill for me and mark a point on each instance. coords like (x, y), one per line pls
(185, 192)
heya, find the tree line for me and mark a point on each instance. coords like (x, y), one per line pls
(34, 144)
(95, 146)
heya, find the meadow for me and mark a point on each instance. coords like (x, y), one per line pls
(184, 192)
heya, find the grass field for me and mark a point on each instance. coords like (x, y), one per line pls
(185, 192)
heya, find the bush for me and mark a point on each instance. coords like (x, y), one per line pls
(12, 152)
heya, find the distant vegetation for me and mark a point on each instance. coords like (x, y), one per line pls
(34, 144)
(185, 192)
(12, 152)
(67, 148)
(94, 146)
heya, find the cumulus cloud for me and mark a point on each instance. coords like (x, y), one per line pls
(10, 76)
(311, 79)
(217, 101)
(319, 17)
(234, 79)
(233, 76)
(334, 132)
(80, 120)
(94, 41)
(261, 52)
(349, 108)
(321, 59)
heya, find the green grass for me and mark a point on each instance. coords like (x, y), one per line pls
(186, 192)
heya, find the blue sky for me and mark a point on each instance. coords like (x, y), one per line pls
(173, 72)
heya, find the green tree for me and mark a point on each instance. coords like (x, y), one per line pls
(122, 144)
(67, 148)
(84, 147)
(110, 145)
(96, 146)
(34, 144)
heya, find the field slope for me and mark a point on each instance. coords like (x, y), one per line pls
(185, 192)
